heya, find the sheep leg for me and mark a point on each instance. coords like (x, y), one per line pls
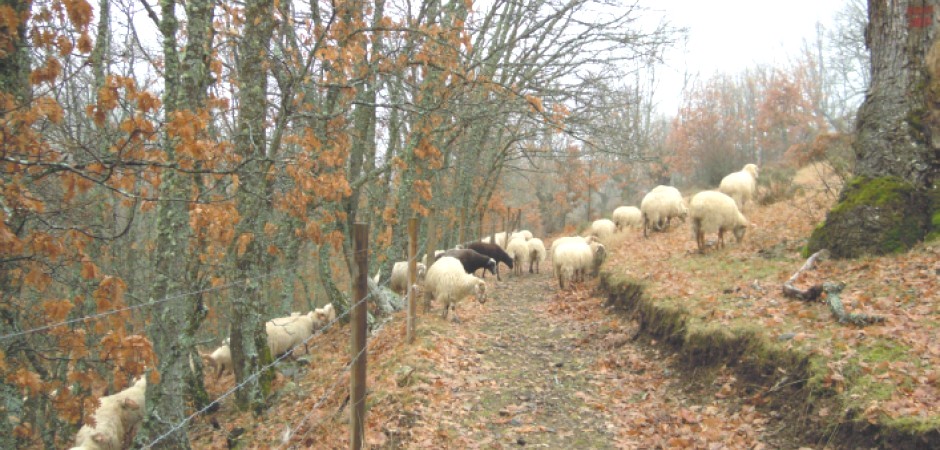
(721, 238)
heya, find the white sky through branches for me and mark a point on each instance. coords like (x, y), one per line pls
(728, 36)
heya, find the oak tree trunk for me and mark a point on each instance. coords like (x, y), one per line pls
(890, 204)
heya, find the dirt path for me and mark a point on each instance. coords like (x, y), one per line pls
(539, 368)
(544, 391)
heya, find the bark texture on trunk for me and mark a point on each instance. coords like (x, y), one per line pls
(248, 338)
(892, 203)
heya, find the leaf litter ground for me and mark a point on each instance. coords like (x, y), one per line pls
(538, 367)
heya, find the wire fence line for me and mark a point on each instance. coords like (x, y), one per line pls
(255, 375)
(166, 299)
(323, 398)
(169, 298)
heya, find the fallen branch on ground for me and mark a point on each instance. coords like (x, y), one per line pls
(832, 291)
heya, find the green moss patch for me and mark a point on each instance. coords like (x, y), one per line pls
(874, 216)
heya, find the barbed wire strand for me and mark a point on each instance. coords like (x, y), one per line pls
(169, 298)
(319, 403)
(323, 398)
(250, 378)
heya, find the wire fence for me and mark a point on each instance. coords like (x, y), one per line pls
(248, 379)
(254, 376)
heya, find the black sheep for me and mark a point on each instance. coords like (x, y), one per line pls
(493, 251)
(473, 260)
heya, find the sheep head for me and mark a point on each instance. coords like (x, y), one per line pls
(752, 169)
(422, 271)
(739, 232)
(491, 266)
(480, 290)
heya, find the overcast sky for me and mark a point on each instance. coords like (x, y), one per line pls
(728, 36)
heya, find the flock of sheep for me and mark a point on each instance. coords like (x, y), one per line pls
(451, 278)
(717, 211)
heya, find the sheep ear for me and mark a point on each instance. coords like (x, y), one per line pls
(129, 404)
(99, 438)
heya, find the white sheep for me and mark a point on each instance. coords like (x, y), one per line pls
(713, 211)
(660, 206)
(627, 216)
(286, 333)
(565, 239)
(323, 316)
(536, 253)
(524, 233)
(398, 281)
(518, 250)
(500, 239)
(741, 185)
(219, 360)
(570, 260)
(599, 255)
(115, 419)
(602, 229)
(448, 283)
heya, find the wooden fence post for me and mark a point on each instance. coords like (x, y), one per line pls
(431, 243)
(412, 278)
(461, 225)
(357, 374)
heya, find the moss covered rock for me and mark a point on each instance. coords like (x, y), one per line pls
(874, 216)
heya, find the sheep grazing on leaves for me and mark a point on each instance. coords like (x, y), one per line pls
(448, 283)
(599, 256)
(715, 212)
(220, 360)
(570, 260)
(287, 333)
(627, 216)
(565, 239)
(493, 251)
(472, 260)
(115, 420)
(398, 281)
(518, 250)
(660, 206)
(740, 185)
(602, 229)
(536, 253)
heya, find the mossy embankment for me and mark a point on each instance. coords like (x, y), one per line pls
(783, 371)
